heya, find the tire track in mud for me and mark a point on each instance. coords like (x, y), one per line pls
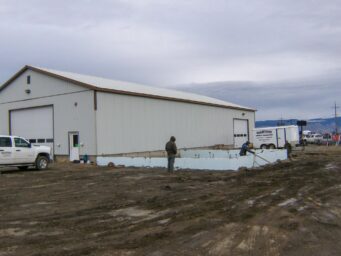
(289, 208)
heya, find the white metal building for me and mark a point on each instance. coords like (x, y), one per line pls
(79, 114)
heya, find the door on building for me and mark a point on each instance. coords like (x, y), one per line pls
(34, 124)
(74, 145)
(240, 132)
(280, 137)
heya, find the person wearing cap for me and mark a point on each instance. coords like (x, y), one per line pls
(171, 153)
(245, 148)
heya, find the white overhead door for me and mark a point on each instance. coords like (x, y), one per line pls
(240, 132)
(34, 124)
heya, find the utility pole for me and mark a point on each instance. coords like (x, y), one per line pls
(281, 122)
(335, 111)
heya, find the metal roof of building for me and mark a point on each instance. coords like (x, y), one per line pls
(114, 86)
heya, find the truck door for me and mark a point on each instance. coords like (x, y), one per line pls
(6, 150)
(280, 137)
(23, 153)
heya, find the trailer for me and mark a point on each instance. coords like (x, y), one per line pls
(275, 137)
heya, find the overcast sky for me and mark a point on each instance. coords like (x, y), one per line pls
(271, 43)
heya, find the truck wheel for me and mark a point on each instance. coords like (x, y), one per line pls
(263, 146)
(272, 146)
(42, 162)
(22, 167)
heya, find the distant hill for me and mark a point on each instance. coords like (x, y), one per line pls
(320, 125)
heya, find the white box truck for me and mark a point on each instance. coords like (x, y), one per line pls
(275, 137)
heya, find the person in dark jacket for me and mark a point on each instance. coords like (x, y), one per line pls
(171, 153)
(288, 147)
(245, 148)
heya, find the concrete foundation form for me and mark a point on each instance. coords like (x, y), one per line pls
(163, 153)
(66, 158)
(220, 160)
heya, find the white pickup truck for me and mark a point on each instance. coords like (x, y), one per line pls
(18, 152)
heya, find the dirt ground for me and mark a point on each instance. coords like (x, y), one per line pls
(291, 208)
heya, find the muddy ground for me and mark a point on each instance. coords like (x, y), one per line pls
(291, 208)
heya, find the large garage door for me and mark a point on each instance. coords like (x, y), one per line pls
(240, 132)
(34, 124)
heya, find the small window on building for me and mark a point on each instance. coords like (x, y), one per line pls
(41, 140)
(5, 142)
(28, 79)
(75, 140)
(33, 141)
(49, 140)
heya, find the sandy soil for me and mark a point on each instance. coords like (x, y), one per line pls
(291, 208)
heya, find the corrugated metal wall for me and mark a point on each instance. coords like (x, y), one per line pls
(134, 124)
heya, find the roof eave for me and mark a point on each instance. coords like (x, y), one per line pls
(95, 88)
(15, 76)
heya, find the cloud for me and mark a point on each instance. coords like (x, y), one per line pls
(287, 100)
(185, 41)
(171, 42)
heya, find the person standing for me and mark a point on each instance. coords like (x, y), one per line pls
(171, 153)
(288, 147)
(245, 148)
